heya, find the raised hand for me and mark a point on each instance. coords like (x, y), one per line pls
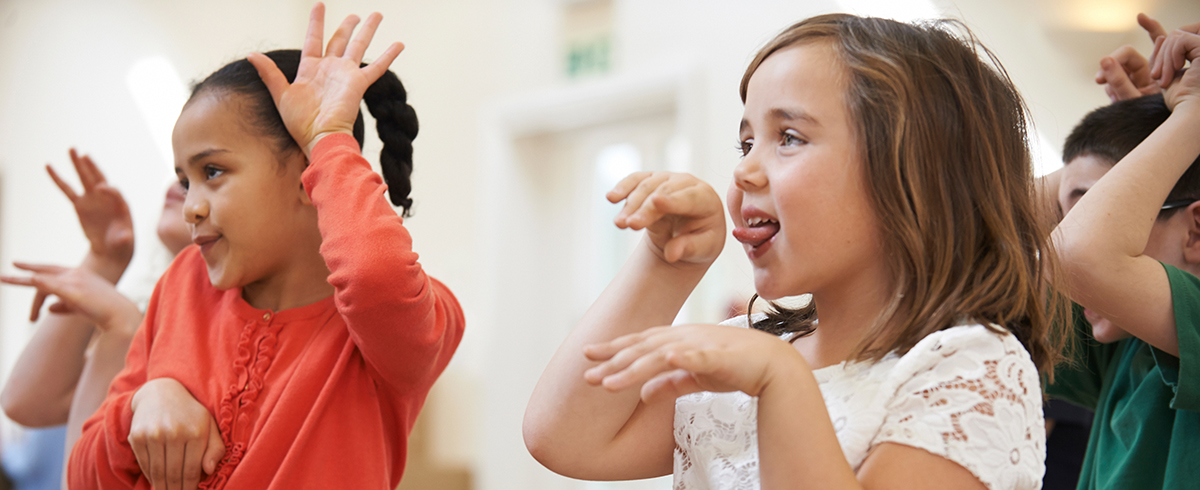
(669, 362)
(1171, 53)
(103, 215)
(681, 214)
(173, 436)
(79, 290)
(1125, 73)
(329, 85)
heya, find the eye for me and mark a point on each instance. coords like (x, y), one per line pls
(212, 172)
(183, 182)
(787, 138)
(744, 146)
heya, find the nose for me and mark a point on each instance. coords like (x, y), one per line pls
(748, 174)
(195, 206)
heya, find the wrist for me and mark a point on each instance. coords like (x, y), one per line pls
(110, 268)
(786, 369)
(124, 321)
(150, 389)
(312, 145)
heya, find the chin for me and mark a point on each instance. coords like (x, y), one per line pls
(220, 279)
(1106, 333)
(770, 291)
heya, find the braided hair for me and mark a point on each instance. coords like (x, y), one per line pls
(395, 120)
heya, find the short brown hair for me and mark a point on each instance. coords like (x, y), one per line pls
(943, 140)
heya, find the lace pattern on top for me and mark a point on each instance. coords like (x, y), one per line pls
(966, 393)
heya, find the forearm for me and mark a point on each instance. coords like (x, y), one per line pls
(406, 324)
(797, 446)
(570, 422)
(42, 382)
(102, 458)
(106, 360)
(1103, 240)
(1124, 205)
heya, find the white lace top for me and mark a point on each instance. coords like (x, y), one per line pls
(966, 393)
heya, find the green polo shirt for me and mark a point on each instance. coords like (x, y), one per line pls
(1146, 433)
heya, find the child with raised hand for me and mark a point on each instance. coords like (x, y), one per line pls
(1130, 247)
(41, 388)
(885, 172)
(295, 345)
(64, 371)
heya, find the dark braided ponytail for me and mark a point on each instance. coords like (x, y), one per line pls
(395, 120)
(396, 123)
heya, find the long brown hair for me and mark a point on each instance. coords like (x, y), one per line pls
(944, 144)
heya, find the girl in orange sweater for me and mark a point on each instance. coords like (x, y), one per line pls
(294, 345)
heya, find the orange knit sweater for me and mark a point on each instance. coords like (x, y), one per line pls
(321, 396)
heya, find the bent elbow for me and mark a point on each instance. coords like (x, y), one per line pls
(19, 410)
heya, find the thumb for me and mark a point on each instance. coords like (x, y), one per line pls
(669, 386)
(61, 308)
(677, 248)
(274, 79)
(215, 450)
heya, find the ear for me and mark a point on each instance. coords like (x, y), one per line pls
(304, 199)
(300, 162)
(1191, 246)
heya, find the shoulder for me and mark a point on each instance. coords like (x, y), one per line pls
(1185, 295)
(966, 362)
(965, 348)
(971, 394)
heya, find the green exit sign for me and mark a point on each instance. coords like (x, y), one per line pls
(589, 57)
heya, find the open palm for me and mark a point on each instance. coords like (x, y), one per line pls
(329, 86)
(103, 213)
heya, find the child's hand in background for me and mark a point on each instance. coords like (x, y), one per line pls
(81, 291)
(173, 436)
(675, 361)
(681, 214)
(1171, 54)
(329, 86)
(104, 217)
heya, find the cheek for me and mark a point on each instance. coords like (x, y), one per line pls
(733, 202)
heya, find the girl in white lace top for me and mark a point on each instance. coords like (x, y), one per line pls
(885, 173)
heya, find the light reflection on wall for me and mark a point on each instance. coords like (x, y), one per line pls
(159, 95)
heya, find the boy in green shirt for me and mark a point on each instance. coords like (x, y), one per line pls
(1130, 248)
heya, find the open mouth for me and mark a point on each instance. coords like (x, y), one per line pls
(758, 231)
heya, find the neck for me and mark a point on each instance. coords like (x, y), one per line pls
(303, 281)
(846, 310)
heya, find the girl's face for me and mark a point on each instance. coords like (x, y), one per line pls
(244, 206)
(799, 197)
(172, 230)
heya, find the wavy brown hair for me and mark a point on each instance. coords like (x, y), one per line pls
(942, 136)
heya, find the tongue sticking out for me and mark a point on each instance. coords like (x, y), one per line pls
(756, 235)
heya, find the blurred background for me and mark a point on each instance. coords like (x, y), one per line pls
(530, 110)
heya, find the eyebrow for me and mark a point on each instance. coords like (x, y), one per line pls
(789, 115)
(786, 115)
(202, 155)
